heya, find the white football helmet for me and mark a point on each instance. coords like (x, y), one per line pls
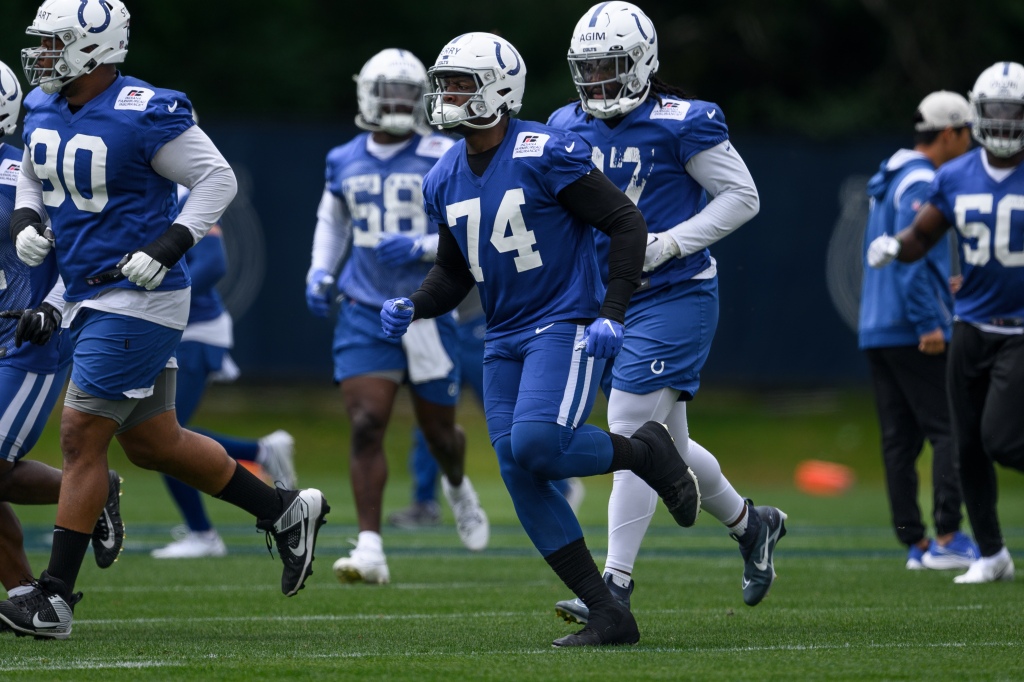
(497, 69)
(10, 100)
(390, 89)
(612, 56)
(81, 35)
(997, 103)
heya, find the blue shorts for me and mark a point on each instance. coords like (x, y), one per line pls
(539, 377)
(361, 348)
(668, 338)
(115, 353)
(26, 401)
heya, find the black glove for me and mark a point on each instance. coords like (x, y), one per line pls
(36, 325)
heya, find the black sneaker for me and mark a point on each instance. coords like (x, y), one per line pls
(108, 535)
(608, 626)
(669, 475)
(765, 527)
(575, 611)
(45, 612)
(295, 532)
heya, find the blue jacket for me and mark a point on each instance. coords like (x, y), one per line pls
(902, 301)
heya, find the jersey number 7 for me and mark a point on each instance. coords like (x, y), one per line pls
(508, 234)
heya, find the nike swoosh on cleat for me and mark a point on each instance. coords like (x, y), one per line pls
(300, 549)
(540, 329)
(36, 622)
(108, 542)
(772, 538)
(571, 147)
(746, 583)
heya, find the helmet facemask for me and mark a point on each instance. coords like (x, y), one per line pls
(447, 115)
(999, 125)
(390, 105)
(607, 83)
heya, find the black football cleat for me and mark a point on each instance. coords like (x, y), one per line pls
(295, 532)
(108, 535)
(668, 474)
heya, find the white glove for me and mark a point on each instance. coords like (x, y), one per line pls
(883, 250)
(661, 248)
(32, 247)
(144, 270)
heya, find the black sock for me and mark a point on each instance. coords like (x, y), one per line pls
(251, 494)
(627, 453)
(575, 566)
(67, 555)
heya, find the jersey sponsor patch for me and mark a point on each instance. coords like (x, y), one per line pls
(434, 146)
(530, 144)
(133, 99)
(10, 169)
(675, 109)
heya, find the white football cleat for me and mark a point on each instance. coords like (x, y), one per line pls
(470, 519)
(988, 569)
(363, 565)
(193, 546)
(277, 457)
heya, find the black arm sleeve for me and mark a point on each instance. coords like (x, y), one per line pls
(596, 200)
(448, 281)
(22, 218)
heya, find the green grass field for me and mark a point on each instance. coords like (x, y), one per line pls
(843, 607)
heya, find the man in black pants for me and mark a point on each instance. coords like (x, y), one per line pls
(905, 322)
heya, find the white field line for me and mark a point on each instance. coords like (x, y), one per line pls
(462, 615)
(275, 588)
(28, 664)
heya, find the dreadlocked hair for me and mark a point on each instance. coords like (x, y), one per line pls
(660, 87)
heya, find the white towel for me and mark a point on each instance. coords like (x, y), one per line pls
(427, 358)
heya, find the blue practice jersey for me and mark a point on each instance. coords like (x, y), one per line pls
(21, 286)
(103, 196)
(645, 155)
(989, 218)
(533, 261)
(382, 197)
(900, 303)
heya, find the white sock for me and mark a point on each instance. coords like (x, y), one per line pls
(20, 589)
(370, 541)
(740, 527)
(618, 577)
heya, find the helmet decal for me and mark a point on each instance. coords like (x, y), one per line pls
(85, 24)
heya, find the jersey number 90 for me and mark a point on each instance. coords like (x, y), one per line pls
(57, 168)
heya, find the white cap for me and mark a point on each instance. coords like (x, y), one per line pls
(942, 109)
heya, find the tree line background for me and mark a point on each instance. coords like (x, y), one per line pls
(824, 68)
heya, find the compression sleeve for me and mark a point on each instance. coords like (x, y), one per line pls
(594, 199)
(192, 160)
(30, 188)
(332, 237)
(448, 281)
(721, 172)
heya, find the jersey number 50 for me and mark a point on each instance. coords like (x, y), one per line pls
(1000, 246)
(509, 218)
(58, 169)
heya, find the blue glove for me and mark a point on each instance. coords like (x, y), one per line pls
(396, 316)
(603, 338)
(318, 293)
(398, 249)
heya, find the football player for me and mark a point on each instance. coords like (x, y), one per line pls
(513, 202)
(672, 156)
(981, 195)
(130, 145)
(371, 220)
(203, 356)
(34, 362)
